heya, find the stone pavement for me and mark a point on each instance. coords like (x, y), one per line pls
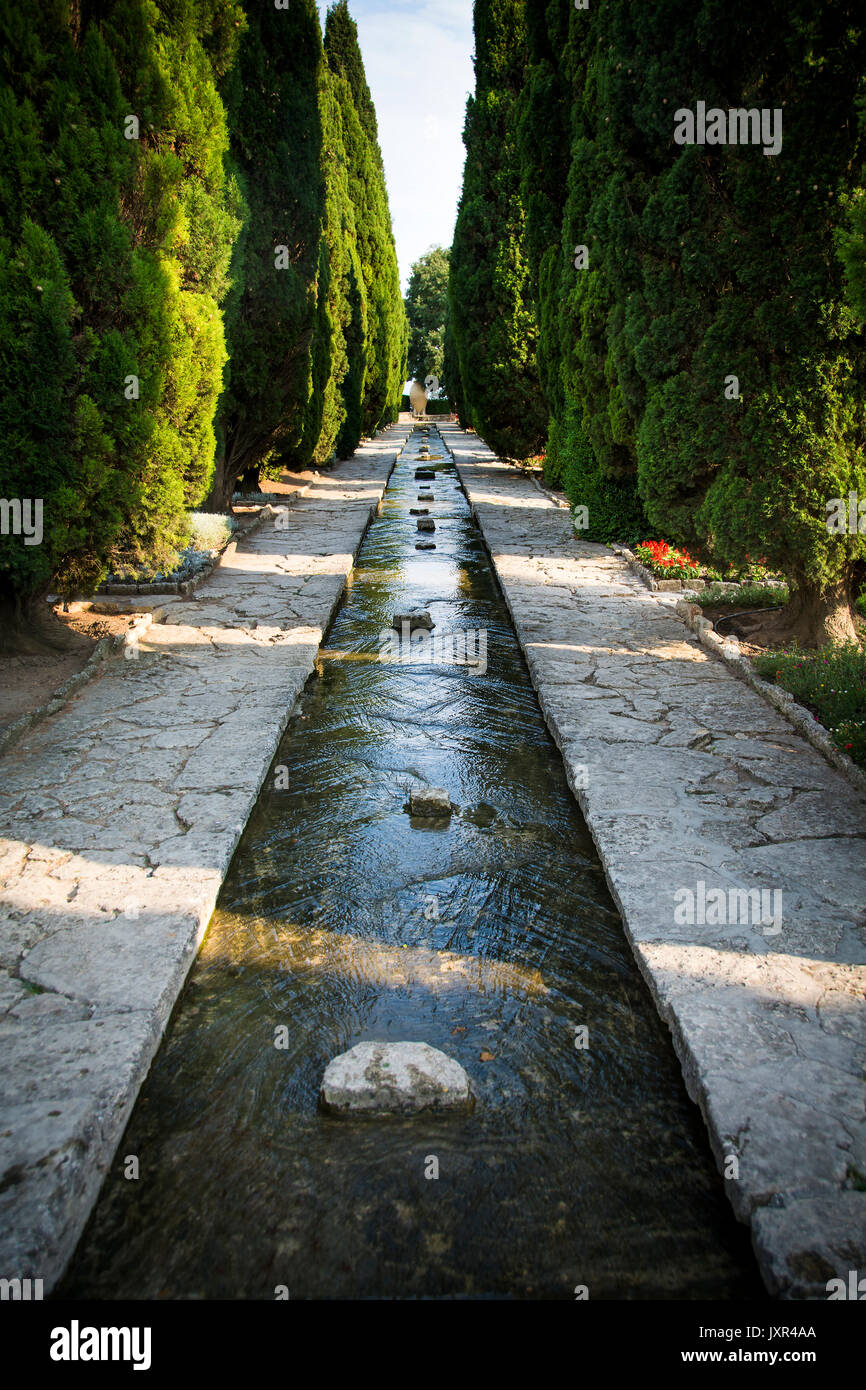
(737, 857)
(119, 816)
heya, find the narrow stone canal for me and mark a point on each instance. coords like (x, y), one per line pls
(490, 935)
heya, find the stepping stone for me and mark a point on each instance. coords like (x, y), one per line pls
(425, 545)
(422, 474)
(403, 1078)
(418, 511)
(426, 497)
(430, 801)
(417, 617)
(426, 523)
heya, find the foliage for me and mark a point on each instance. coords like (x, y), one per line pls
(427, 315)
(492, 312)
(666, 561)
(379, 359)
(831, 684)
(745, 596)
(272, 94)
(114, 258)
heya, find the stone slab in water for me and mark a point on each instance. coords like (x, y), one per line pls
(375, 1078)
(426, 523)
(416, 617)
(418, 511)
(426, 497)
(430, 801)
(425, 545)
(424, 474)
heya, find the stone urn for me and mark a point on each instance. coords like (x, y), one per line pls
(418, 398)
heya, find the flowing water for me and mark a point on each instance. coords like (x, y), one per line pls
(490, 935)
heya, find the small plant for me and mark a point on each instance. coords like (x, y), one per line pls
(210, 530)
(831, 683)
(665, 561)
(747, 596)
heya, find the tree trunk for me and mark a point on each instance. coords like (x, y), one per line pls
(813, 617)
(248, 482)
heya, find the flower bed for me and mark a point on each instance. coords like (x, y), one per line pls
(831, 684)
(665, 561)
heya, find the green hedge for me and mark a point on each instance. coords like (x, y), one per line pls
(433, 407)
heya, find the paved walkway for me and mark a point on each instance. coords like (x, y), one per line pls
(120, 814)
(691, 783)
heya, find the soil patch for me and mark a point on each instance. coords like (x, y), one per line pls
(55, 649)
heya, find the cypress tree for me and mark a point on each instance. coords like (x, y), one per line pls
(586, 304)
(739, 280)
(490, 292)
(335, 423)
(116, 223)
(276, 381)
(384, 364)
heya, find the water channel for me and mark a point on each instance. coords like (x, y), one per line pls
(490, 935)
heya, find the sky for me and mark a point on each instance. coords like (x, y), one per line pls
(418, 59)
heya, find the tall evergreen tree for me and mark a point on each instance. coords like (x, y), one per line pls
(335, 420)
(492, 309)
(384, 365)
(116, 225)
(275, 389)
(739, 279)
(598, 401)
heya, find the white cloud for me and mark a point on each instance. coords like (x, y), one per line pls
(418, 59)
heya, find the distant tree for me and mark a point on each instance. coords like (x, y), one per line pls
(427, 314)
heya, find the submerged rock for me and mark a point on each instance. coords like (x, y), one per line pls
(375, 1078)
(426, 523)
(425, 545)
(416, 617)
(418, 511)
(430, 801)
(424, 474)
